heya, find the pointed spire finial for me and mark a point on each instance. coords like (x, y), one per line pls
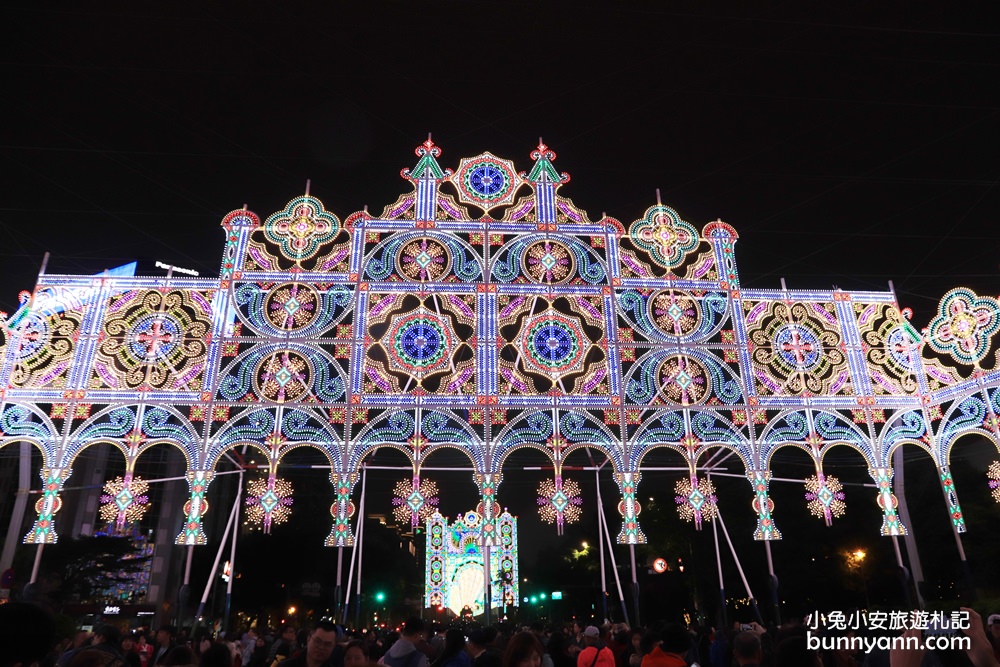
(659, 202)
(428, 148)
(308, 183)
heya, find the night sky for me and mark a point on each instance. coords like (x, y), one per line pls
(848, 148)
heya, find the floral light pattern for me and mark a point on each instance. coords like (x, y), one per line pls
(124, 501)
(964, 325)
(269, 501)
(559, 502)
(826, 497)
(696, 500)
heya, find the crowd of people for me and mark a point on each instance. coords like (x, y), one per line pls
(28, 639)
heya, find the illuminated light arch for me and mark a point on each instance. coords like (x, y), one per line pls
(678, 358)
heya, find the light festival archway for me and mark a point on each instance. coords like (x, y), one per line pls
(485, 312)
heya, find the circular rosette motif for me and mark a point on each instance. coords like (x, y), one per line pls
(674, 312)
(423, 259)
(301, 228)
(548, 262)
(553, 343)
(486, 181)
(419, 342)
(291, 306)
(666, 237)
(153, 337)
(964, 326)
(683, 379)
(797, 347)
(282, 376)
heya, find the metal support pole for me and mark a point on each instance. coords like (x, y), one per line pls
(337, 591)
(20, 507)
(487, 585)
(635, 584)
(739, 568)
(600, 542)
(218, 557)
(232, 556)
(772, 583)
(614, 565)
(915, 571)
(38, 562)
(360, 544)
(722, 581)
(904, 575)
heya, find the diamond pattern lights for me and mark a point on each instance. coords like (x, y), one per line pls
(124, 501)
(559, 502)
(269, 501)
(414, 501)
(695, 500)
(826, 497)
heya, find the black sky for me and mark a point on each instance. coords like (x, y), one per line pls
(848, 147)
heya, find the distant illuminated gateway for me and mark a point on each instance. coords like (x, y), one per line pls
(484, 312)
(455, 563)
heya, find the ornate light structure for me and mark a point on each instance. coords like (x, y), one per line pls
(559, 502)
(825, 494)
(696, 500)
(414, 500)
(484, 311)
(124, 501)
(269, 501)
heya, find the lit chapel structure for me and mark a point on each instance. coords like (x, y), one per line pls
(483, 311)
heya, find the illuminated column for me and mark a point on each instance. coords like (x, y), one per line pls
(488, 484)
(954, 509)
(195, 508)
(763, 505)
(44, 529)
(342, 510)
(629, 508)
(891, 525)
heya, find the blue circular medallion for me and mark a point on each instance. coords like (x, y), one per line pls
(487, 181)
(420, 341)
(553, 343)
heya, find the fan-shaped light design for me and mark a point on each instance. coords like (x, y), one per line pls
(124, 501)
(559, 502)
(826, 497)
(414, 501)
(695, 500)
(269, 501)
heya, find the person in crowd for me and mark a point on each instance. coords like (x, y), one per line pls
(355, 654)
(482, 651)
(128, 650)
(284, 646)
(218, 654)
(524, 650)
(453, 653)
(993, 634)
(558, 651)
(795, 652)
(374, 645)
(666, 647)
(144, 649)
(164, 642)
(180, 655)
(321, 648)
(404, 652)
(747, 650)
(106, 639)
(27, 634)
(595, 652)
(632, 655)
